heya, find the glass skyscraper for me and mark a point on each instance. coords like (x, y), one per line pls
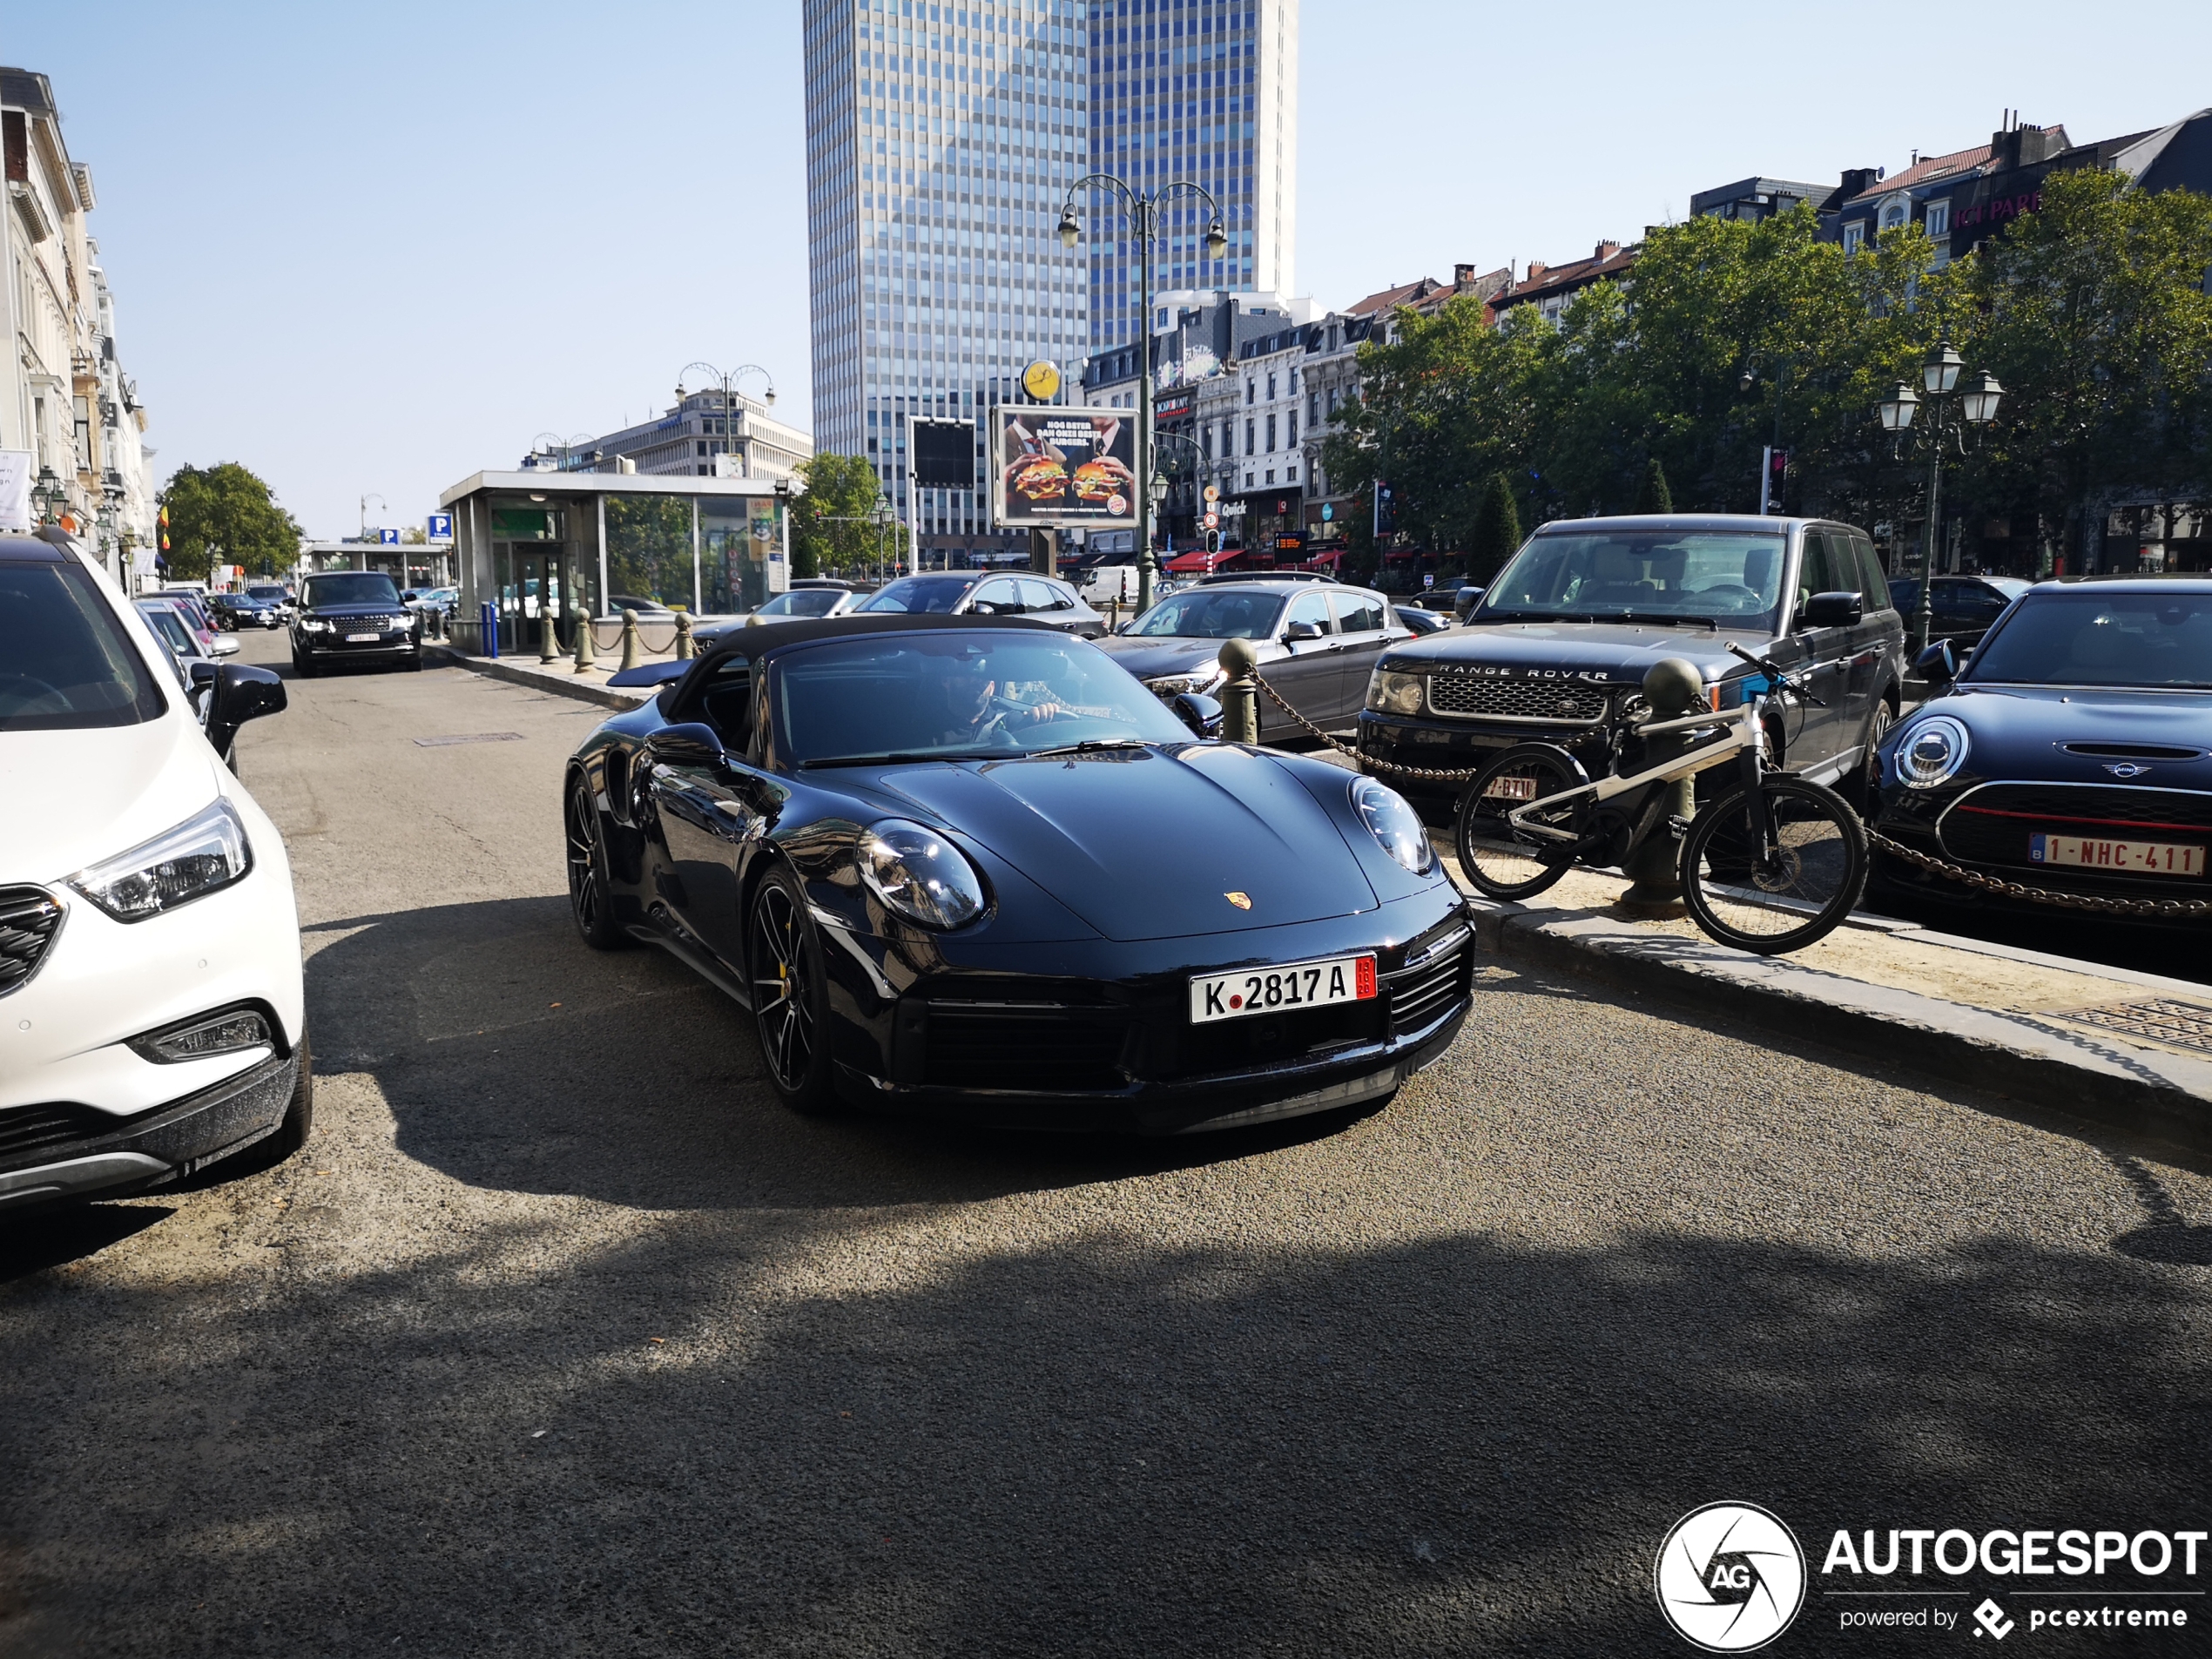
(942, 140)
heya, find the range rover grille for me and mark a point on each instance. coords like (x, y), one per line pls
(1554, 702)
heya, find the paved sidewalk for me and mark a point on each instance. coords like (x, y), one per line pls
(558, 676)
(2128, 1049)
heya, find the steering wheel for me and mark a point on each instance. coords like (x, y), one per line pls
(42, 690)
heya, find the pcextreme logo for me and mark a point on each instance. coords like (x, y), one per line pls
(1729, 1577)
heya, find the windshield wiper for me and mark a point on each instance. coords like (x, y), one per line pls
(909, 756)
(1089, 746)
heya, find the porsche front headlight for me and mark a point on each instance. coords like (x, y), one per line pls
(204, 854)
(1930, 751)
(1393, 823)
(1390, 691)
(921, 876)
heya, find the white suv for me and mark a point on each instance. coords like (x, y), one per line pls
(152, 1014)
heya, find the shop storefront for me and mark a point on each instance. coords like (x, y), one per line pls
(531, 545)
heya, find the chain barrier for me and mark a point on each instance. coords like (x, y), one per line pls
(2166, 908)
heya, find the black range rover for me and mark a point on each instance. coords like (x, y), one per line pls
(353, 616)
(1561, 642)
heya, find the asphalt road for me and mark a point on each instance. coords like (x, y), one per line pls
(560, 1337)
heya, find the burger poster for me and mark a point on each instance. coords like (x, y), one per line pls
(1063, 465)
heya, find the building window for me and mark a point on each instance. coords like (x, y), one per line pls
(1250, 445)
(1894, 215)
(1854, 237)
(1940, 217)
(1271, 474)
(1290, 440)
(1291, 476)
(1271, 388)
(1251, 391)
(1270, 433)
(1293, 380)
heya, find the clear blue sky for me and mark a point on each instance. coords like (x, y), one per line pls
(375, 248)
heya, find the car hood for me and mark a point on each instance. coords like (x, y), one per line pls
(1616, 652)
(75, 798)
(1148, 658)
(1149, 843)
(2019, 731)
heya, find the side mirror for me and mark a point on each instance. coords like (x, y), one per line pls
(1833, 611)
(1198, 711)
(690, 743)
(202, 673)
(410, 597)
(1938, 663)
(1299, 630)
(242, 693)
(1464, 602)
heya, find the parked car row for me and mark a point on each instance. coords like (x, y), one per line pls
(150, 964)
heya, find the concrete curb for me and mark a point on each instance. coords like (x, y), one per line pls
(2032, 1058)
(516, 674)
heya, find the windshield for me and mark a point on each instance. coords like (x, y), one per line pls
(1211, 613)
(350, 588)
(166, 623)
(968, 695)
(2091, 638)
(65, 662)
(806, 602)
(1721, 576)
(274, 596)
(919, 593)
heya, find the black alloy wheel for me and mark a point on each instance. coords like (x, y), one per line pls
(589, 898)
(790, 996)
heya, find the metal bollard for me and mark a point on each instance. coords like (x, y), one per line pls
(1240, 693)
(1673, 687)
(1114, 613)
(685, 649)
(548, 647)
(629, 640)
(488, 630)
(587, 649)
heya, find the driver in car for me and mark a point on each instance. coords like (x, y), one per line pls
(976, 713)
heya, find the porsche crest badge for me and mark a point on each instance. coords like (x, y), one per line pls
(1242, 901)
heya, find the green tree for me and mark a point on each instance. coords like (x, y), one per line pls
(1653, 496)
(832, 525)
(224, 515)
(1497, 531)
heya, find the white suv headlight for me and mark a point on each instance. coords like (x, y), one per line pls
(204, 854)
(1392, 692)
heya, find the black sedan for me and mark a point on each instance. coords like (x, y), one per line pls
(1961, 608)
(237, 610)
(353, 616)
(970, 867)
(2075, 754)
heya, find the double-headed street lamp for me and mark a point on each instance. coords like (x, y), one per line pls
(729, 394)
(1144, 225)
(1977, 403)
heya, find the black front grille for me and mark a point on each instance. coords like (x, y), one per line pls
(1042, 1046)
(1262, 1040)
(1452, 692)
(29, 921)
(1994, 824)
(1425, 993)
(28, 1131)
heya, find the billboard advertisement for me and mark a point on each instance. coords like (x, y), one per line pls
(944, 454)
(1051, 467)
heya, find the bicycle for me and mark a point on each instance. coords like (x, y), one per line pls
(1771, 864)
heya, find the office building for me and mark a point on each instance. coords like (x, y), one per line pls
(941, 142)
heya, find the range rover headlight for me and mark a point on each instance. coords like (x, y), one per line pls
(1204, 683)
(204, 854)
(921, 876)
(1930, 751)
(315, 625)
(1393, 823)
(1390, 691)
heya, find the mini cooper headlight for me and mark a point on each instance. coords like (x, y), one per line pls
(920, 876)
(1394, 824)
(1204, 683)
(1392, 692)
(1930, 751)
(204, 853)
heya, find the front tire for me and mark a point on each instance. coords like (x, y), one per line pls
(790, 996)
(1502, 863)
(590, 894)
(1797, 894)
(1865, 787)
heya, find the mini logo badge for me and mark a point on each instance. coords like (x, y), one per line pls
(1242, 901)
(1991, 1618)
(2126, 769)
(1731, 1578)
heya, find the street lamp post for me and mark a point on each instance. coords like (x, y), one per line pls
(729, 394)
(1144, 222)
(1977, 404)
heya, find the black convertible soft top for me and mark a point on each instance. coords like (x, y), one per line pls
(758, 642)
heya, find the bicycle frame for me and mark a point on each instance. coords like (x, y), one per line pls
(1745, 736)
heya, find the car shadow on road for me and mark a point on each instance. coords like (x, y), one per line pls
(34, 1240)
(512, 1056)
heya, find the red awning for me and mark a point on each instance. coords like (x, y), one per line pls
(1198, 560)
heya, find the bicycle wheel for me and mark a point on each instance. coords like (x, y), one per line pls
(1501, 861)
(1783, 899)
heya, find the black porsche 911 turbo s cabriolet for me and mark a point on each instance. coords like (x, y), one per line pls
(972, 867)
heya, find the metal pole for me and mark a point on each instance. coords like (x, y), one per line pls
(1146, 567)
(913, 524)
(1766, 477)
(698, 593)
(600, 502)
(1924, 614)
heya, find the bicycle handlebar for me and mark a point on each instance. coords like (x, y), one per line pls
(1780, 675)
